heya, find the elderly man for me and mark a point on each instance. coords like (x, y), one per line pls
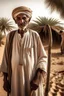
(24, 61)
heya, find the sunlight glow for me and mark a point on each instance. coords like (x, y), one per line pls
(38, 7)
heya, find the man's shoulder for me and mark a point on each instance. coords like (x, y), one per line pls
(11, 34)
(34, 32)
(13, 31)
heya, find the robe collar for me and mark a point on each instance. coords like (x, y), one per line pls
(22, 32)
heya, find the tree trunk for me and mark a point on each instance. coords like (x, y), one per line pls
(49, 61)
(4, 32)
(0, 42)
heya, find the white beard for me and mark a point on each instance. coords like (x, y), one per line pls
(23, 27)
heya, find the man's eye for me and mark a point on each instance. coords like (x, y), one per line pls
(24, 18)
(18, 18)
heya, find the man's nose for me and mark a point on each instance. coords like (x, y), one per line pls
(21, 20)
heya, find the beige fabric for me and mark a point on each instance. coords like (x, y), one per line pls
(21, 10)
(28, 54)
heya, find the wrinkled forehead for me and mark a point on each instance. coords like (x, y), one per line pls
(22, 15)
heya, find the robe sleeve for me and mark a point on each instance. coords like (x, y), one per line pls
(42, 56)
(4, 60)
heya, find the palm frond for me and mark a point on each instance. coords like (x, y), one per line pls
(40, 23)
(56, 4)
(45, 21)
(6, 24)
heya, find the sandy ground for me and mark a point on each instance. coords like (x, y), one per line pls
(57, 65)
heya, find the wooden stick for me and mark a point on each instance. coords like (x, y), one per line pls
(49, 61)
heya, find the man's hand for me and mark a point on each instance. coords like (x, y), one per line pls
(33, 86)
(37, 79)
(6, 84)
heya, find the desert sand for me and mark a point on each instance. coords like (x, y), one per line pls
(56, 74)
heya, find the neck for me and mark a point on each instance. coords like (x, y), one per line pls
(21, 29)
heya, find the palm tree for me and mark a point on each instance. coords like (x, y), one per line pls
(40, 23)
(47, 26)
(56, 4)
(1, 37)
(5, 25)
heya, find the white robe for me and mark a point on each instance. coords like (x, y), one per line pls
(28, 55)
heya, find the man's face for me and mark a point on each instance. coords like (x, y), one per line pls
(22, 20)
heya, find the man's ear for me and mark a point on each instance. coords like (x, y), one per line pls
(15, 21)
(29, 19)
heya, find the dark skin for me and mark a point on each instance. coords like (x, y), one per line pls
(6, 84)
(22, 21)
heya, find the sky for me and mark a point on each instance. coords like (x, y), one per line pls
(38, 7)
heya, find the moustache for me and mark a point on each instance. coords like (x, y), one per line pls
(23, 23)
